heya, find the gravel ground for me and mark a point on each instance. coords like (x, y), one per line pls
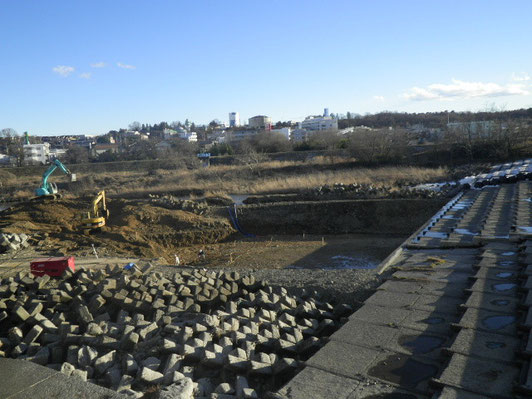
(338, 286)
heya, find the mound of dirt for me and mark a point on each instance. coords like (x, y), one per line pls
(134, 228)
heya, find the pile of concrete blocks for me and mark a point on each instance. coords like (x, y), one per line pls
(198, 333)
(13, 242)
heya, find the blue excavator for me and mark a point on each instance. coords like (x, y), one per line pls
(49, 189)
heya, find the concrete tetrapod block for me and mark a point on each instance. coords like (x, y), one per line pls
(182, 389)
(104, 362)
(149, 376)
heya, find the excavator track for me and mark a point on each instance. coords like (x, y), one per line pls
(46, 198)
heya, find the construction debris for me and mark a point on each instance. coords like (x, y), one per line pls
(13, 242)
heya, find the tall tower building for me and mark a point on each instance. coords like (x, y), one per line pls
(234, 119)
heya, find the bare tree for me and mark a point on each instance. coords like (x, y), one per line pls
(136, 126)
(8, 133)
(372, 145)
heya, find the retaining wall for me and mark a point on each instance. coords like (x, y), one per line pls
(397, 216)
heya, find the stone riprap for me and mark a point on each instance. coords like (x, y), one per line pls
(452, 321)
(196, 334)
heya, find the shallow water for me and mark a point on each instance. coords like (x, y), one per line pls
(503, 287)
(340, 262)
(421, 344)
(498, 322)
(403, 370)
(504, 274)
(239, 198)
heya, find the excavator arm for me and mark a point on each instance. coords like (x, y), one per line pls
(46, 187)
(96, 216)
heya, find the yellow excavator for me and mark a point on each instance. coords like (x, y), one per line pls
(97, 215)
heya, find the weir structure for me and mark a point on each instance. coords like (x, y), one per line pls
(453, 319)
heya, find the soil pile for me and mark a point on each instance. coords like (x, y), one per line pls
(134, 228)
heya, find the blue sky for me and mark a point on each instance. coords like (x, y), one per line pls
(85, 67)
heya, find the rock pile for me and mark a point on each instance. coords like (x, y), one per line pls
(13, 242)
(171, 202)
(197, 334)
(363, 191)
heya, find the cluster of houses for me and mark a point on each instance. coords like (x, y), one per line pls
(51, 147)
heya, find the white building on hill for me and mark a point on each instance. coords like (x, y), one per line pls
(234, 119)
(324, 122)
(36, 154)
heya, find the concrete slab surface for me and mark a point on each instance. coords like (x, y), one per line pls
(423, 287)
(406, 371)
(485, 345)
(448, 276)
(30, 380)
(454, 393)
(315, 383)
(495, 273)
(400, 340)
(496, 287)
(499, 263)
(344, 359)
(431, 303)
(408, 318)
(496, 303)
(371, 389)
(488, 321)
(479, 376)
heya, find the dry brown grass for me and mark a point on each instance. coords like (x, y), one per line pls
(265, 179)
(247, 178)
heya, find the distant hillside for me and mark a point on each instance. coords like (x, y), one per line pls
(431, 119)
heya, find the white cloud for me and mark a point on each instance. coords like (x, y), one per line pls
(461, 89)
(378, 98)
(125, 66)
(100, 64)
(63, 70)
(85, 75)
(520, 77)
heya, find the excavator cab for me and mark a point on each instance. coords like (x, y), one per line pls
(95, 218)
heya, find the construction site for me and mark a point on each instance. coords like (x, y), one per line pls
(399, 289)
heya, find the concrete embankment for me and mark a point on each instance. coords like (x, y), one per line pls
(398, 216)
